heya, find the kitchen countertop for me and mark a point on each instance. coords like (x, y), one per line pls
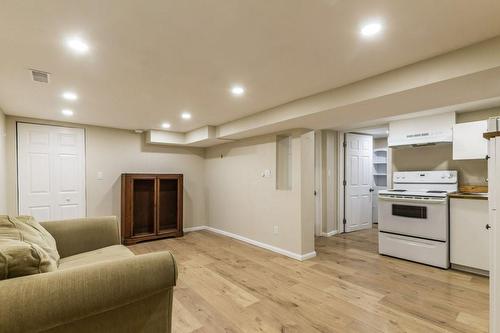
(469, 195)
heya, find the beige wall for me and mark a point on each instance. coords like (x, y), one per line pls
(477, 115)
(226, 193)
(113, 152)
(241, 201)
(440, 157)
(379, 143)
(329, 169)
(3, 165)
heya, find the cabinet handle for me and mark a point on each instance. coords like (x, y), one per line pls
(488, 227)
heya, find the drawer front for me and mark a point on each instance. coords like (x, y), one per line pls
(420, 250)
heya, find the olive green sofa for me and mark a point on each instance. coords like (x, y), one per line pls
(99, 286)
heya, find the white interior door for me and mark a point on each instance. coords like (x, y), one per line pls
(51, 171)
(358, 176)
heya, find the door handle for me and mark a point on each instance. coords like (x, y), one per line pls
(488, 227)
(372, 189)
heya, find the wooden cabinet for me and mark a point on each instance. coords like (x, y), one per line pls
(469, 238)
(468, 141)
(151, 206)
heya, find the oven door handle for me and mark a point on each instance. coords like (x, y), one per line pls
(414, 199)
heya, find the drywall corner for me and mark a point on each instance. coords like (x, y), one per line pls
(3, 164)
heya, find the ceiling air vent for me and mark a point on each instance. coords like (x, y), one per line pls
(39, 76)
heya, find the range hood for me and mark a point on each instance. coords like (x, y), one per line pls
(422, 131)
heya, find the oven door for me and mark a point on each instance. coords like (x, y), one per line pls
(414, 216)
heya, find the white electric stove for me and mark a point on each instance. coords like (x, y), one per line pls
(413, 216)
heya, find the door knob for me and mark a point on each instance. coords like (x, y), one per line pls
(488, 227)
(371, 190)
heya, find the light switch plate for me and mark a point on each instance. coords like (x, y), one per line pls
(276, 229)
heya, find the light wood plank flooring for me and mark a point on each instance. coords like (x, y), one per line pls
(229, 286)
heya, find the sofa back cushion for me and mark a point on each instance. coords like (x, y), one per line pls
(18, 258)
(25, 229)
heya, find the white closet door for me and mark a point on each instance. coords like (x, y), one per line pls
(51, 171)
(358, 176)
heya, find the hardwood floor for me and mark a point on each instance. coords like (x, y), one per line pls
(229, 286)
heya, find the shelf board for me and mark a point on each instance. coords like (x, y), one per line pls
(380, 150)
(380, 174)
(379, 162)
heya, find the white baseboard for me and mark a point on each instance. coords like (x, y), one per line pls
(276, 249)
(329, 234)
(200, 227)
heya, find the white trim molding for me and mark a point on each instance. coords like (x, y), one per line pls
(329, 234)
(293, 255)
(197, 228)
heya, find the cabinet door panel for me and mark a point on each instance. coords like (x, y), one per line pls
(468, 141)
(143, 207)
(469, 238)
(168, 204)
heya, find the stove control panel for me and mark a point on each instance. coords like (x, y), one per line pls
(426, 177)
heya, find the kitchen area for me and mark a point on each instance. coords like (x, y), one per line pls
(435, 211)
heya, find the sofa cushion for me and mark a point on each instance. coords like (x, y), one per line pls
(26, 229)
(18, 258)
(104, 254)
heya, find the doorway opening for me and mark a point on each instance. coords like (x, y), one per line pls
(364, 172)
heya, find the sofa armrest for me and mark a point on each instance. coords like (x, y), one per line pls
(83, 235)
(43, 301)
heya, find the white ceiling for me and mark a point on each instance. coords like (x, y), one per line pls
(151, 60)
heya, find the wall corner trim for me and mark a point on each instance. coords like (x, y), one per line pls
(293, 255)
(197, 228)
(329, 234)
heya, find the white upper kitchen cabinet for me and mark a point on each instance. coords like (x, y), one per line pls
(468, 141)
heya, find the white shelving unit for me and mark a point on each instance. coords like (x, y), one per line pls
(379, 177)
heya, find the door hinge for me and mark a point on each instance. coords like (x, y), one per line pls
(344, 221)
(344, 183)
(487, 157)
(315, 193)
(344, 144)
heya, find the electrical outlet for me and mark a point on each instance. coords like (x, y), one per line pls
(100, 175)
(276, 230)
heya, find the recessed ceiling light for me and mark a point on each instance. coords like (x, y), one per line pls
(165, 125)
(67, 112)
(70, 96)
(78, 45)
(186, 115)
(237, 90)
(371, 29)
